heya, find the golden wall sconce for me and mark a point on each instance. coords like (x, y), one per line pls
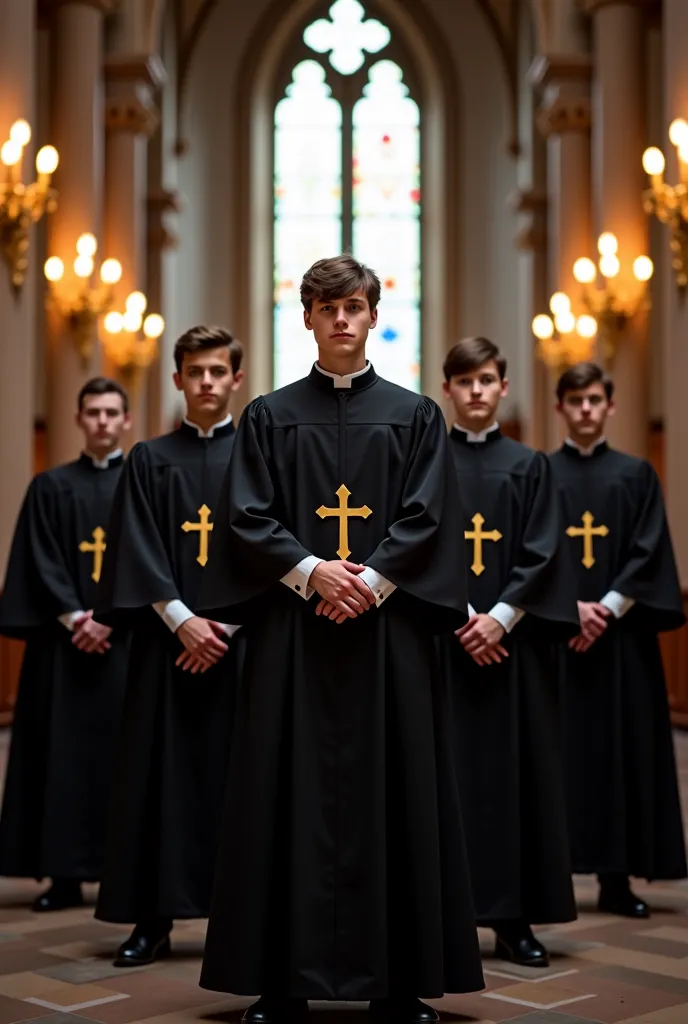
(131, 340)
(612, 305)
(563, 338)
(82, 306)
(20, 204)
(669, 203)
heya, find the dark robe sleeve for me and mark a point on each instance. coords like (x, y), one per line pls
(542, 581)
(38, 585)
(251, 549)
(423, 553)
(649, 575)
(136, 568)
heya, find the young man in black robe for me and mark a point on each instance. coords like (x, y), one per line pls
(500, 668)
(623, 802)
(172, 757)
(342, 871)
(74, 669)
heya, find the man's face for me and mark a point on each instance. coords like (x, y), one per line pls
(585, 412)
(476, 395)
(103, 421)
(341, 326)
(208, 383)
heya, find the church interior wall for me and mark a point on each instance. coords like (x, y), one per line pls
(659, 250)
(209, 253)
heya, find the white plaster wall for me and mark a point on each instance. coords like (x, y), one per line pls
(487, 283)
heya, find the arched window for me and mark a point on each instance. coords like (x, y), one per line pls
(347, 178)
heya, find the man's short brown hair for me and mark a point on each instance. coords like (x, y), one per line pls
(470, 354)
(582, 375)
(337, 278)
(201, 339)
(102, 386)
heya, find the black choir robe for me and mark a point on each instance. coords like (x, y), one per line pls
(171, 763)
(505, 717)
(623, 802)
(342, 871)
(69, 703)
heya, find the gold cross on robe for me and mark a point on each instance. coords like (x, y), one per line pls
(203, 528)
(344, 513)
(587, 531)
(477, 536)
(97, 547)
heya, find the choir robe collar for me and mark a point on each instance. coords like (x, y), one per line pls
(570, 447)
(221, 429)
(324, 380)
(111, 461)
(492, 433)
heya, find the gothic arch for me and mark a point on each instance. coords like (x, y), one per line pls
(253, 198)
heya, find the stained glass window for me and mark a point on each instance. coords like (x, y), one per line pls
(386, 217)
(379, 190)
(346, 36)
(308, 206)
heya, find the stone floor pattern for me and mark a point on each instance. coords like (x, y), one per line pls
(57, 968)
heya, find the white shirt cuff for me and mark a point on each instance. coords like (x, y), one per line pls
(471, 610)
(69, 618)
(617, 604)
(297, 578)
(173, 613)
(506, 615)
(230, 630)
(380, 586)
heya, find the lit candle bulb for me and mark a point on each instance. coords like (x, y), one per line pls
(47, 160)
(653, 165)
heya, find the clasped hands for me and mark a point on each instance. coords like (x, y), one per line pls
(594, 619)
(90, 636)
(481, 637)
(343, 595)
(203, 646)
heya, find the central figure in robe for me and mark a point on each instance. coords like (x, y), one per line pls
(342, 871)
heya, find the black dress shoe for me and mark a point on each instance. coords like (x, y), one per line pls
(145, 945)
(62, 894)
(617, 897)
(403, 1011)
(519, 946)
(273, 1010)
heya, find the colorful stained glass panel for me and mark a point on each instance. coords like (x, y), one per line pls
(386, 209)
(307, 225)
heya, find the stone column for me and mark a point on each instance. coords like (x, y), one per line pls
(618, 139)
(17, 70)
(163, 204)
(162, 243)
(564, 120)
(131, 118)
(531, 242)
(77, 132)
(529, 202)
(675, 319)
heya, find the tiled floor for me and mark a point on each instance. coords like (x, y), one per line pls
(58, 968)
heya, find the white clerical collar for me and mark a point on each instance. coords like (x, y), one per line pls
(342, 381)
(208, 433)
(480, 436)
(585, 452)
(103, 463)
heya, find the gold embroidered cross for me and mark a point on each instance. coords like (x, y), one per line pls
(97, 547)
(203, 528)
(587, 531)
(344, 513)
(477, 536)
